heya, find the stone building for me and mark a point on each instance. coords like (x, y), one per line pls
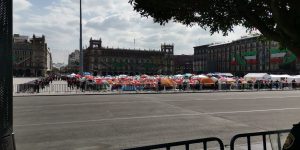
(49, 61)
(30, 56)
(112, 61)
(74, 61)
(248, 54)
(183, 64)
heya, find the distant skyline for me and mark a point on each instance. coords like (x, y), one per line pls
(112, 20)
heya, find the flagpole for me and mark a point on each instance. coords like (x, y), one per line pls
(80, 42)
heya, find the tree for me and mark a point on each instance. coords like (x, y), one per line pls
(277, 20)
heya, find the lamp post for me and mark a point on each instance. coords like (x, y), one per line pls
(6, 113)
(80, 42)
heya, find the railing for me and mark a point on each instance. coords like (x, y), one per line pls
(264, 135)
(100, 88)
(186, 144)
(204, 142)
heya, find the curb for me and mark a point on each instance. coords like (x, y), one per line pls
(179, 92)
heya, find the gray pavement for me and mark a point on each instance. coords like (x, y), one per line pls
(96, 122)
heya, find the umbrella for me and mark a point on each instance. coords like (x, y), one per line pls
(73, 75)
(77, 76)
(89, 77)
(188, 75)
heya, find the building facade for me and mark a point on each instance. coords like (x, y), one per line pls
(49, 61)
(30, 56)
(74, 61)
(183, 64)
(248, 54)
(112, 61)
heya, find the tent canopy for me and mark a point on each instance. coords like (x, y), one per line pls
(278, 77)
(257, 76)
(296, 78)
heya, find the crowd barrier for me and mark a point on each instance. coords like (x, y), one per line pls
(266, 139)
(185, 144)
(275, 144)
(94, 88)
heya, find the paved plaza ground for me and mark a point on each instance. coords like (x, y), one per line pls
(109, 122)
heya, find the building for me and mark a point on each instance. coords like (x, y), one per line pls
(74, 61)
(30, 56)
(49, 61)
(248, 54)
(183, 64)
(112, 61)
(74, 58)
(22, 56)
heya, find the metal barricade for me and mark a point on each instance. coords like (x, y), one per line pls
(257, 134)
(186, 144)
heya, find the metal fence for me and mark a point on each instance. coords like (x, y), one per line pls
(185, 144)
(247, 144)
(277, 143)
(95, 88)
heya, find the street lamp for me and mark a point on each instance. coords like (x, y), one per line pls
(80, 42)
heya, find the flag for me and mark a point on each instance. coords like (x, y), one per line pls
(233, 61)
(277, 56)
(251, 60)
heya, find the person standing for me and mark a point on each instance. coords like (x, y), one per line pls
(292, 141)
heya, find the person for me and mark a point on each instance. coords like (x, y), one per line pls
(159, 85)
(294, 84)
(197, 85)
(271, 84)
(36, 86)
(216, 86)
(277, 84)
(292, 141)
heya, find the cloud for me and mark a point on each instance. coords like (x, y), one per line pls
(112, 20)
(21, 5)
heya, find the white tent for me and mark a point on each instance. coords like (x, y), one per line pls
(221, 74)
(257, 76)
(279, 77)
(296, 78)
(199, 76)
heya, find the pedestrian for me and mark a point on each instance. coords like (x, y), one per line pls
(292, 141)
(36, 86)
(294, 84)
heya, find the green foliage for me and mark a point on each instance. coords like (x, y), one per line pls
(277, 20)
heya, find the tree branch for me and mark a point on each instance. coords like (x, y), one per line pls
(284, 21)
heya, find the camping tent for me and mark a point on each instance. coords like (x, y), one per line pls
(257, 76)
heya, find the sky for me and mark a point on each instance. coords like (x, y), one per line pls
(114, 21)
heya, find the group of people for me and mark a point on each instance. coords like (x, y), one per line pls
(76, 83)
(43, 82)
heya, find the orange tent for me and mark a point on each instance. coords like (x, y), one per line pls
(167, 82)
(207, 81)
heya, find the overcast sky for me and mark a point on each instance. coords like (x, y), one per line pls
(112, 20)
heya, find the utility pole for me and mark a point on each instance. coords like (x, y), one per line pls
(80, 42)
(6, 83)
